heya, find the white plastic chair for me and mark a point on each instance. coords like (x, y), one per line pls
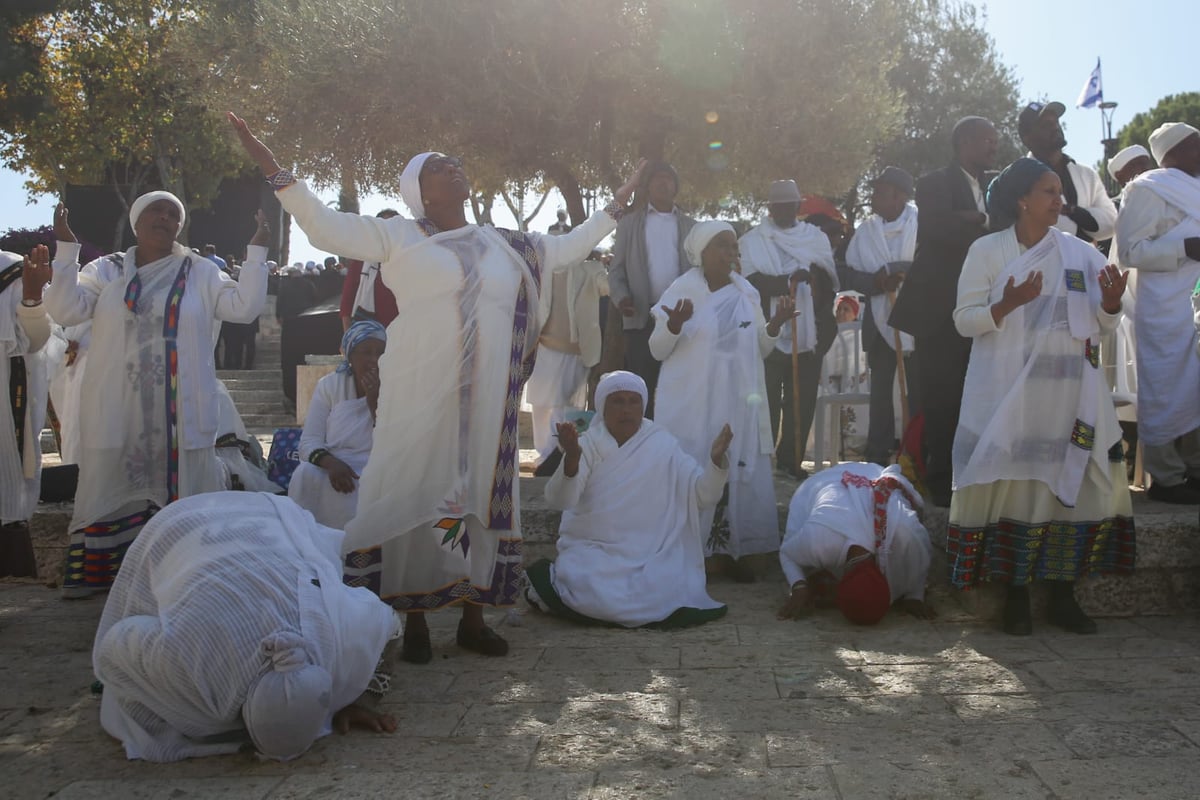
(850, 364)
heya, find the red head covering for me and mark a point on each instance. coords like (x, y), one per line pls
(847, 300)
(863, 595)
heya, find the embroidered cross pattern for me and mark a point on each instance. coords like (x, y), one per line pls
(1083, 435)
(1075, 281)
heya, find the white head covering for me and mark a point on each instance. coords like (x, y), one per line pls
(287, 707)
(783, 192)
(619, 381)
(701, 234)
(410, 183)
(140, 204)
(1122, 159)
(1166, 136)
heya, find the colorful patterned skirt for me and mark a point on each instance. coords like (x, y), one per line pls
(1017, 532)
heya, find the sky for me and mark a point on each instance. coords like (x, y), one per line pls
(1145, 50)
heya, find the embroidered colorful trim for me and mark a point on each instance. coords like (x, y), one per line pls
(1075, 280)
(17, 391)
(1083, 435)
(95, 552)
(170, 335)
(1017, 552)
(1091, 353)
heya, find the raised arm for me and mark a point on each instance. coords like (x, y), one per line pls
(349, 235)
(70, 298)
(565, 487)
(560, 252)
(243, 300)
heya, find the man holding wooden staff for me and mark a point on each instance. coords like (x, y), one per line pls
(783, 257)
(877, 259)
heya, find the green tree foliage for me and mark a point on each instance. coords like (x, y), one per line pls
(1183, 107)
(119, 105)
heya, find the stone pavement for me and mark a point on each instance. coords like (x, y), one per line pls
(745, 707)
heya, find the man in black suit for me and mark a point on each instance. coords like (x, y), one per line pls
(951, 214)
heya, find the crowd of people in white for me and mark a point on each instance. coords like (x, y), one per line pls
(982, 359)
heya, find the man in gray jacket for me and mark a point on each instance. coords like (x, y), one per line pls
(647, 257)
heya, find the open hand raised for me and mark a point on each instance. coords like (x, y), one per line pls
(258, 152)
(568, 439)
(720, 445)
(1017, 295)
(1112, 288)
(785, 311)
(678, 315)
(35, 273)
(62, 230)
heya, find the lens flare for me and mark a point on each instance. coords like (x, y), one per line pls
(712, 117)
(715, 145)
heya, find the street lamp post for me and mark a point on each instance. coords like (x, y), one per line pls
(1110, 144)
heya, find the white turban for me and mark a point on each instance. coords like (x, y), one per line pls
(287, 708)
(1166, 136)
(1122, 159)
(140, 204)
(619, 381)
(701, 234)
(410, 183)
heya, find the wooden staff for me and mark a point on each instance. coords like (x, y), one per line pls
(900, 373)
(798, 452)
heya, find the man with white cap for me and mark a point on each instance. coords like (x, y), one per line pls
(1158, 234)
(149, 438)
(24, 331)
(782, 257)
(855, 539)
(1087, 211)
(1128, 163)
(630, 547)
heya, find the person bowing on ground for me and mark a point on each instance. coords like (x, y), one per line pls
(630, 547)
(438, 519)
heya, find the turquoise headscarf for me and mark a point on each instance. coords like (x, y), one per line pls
(355, 335)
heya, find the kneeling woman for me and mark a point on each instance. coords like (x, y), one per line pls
(630, 546)
(1039, 480)
(711, 336)
(339, 429)
(229, 627)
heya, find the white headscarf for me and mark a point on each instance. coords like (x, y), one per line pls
(287, 707)
(619, 381)
(410, 183)
(1121, 159)
(701, 234)
(142, 202)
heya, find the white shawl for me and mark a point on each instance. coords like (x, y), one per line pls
(869, 250)
(630, 544)
(771, 250)
(209, 583)
(1031, 408)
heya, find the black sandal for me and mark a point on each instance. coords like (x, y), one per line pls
(417, 648)
(485, 641)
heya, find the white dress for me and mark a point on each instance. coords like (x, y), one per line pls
(712, 375)
(438, 518)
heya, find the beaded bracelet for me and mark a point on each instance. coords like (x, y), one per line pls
(281, 179)
(615, 210)
(314, 457)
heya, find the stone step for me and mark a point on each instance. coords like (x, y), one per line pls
(1167, 578)
(243, 396)
(266, 423)
(246, 377)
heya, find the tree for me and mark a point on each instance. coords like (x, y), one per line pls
(1183, 107)
(119, 110)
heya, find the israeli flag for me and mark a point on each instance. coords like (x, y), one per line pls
(1093, 93)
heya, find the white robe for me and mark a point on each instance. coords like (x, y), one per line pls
(125, 442)
(24, 333)
(66, 392)
(208, 582)
(830, 512)
(1034, 408)
(712, 375)
(630, 544)
(445, 379)
(1160, 209)
(875, 244)
(346, 429)
(771, 250)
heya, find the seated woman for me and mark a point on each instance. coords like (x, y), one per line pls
(630, 550)
(240, 453)
(339, 429)
(229, 626)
